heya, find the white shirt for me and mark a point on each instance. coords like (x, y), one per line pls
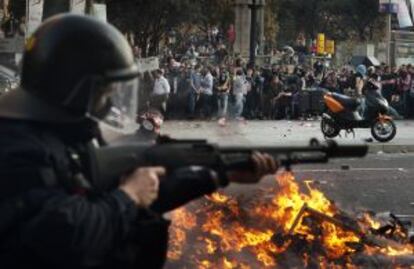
(207, 84)
(239, 85)
(161, 86)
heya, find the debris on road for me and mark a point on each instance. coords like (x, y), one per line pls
(345, 167)
(222, 122)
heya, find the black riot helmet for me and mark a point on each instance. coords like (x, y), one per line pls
(70, 66)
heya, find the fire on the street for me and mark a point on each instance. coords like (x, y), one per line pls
(283, 227)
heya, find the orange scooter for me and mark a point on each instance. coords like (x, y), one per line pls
(343, 114)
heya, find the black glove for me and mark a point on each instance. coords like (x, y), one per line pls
(183, 186)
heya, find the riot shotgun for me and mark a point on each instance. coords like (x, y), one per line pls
(115, 161)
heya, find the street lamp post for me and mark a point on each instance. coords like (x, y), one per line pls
(253, 36)
(389, 33)
(389, 7)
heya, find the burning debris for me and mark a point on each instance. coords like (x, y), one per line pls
(286, 228)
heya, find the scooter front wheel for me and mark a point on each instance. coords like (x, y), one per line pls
(329, 128)
(384, 130)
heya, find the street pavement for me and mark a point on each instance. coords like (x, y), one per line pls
(273, 133)
(379, 182)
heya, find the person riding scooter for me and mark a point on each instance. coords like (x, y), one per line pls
(368, 110)
(371, 93)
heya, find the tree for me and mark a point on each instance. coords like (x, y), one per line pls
(271, 27)
(149, 20)
(215, 12)
(362, 16)
(339, 19)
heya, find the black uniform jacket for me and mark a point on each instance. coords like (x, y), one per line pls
(50, 218)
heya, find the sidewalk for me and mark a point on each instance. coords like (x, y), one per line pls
(273, 133)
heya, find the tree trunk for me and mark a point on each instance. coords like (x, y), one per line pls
(361, 34)
(154, 46)
(142, 43)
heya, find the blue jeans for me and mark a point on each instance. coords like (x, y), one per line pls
(222, 104)
(407, 103)
(192, 102)
(363, 107)
(206, 104)
(238, 105)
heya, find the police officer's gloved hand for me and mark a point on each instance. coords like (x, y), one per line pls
(142, 185)
(184, 185)
(263, 164)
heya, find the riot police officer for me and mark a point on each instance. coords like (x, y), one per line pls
(51, 215)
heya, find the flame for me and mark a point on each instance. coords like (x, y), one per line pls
(204, 264)
(390, 251)
(257, 235)
(228, 264)
(182, 221)
(373, 224)
(211, 246)
(218, 198)
(289, 202)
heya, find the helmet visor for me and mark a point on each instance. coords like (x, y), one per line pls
(116, 106)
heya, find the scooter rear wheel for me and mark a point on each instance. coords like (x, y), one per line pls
(384, 131)
(329, 129)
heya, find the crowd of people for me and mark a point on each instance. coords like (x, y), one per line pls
(188, 90)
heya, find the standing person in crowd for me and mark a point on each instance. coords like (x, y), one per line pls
(250, 94)
(161, 91)
(404, 86)
(137, 52)
(396, 98)
(223, 89)
(267, 75)
(221, 54)
(254, 96)
(195, 88)
(309, 79)
(172, 75)
(330, 82)
(258, 94)
(239, 92)
(343, 80)
(183, 91)
(388, 81)
(277, 94)
(297, 83)
(319, 70)
(206, 92)
(192, 54)
(276, 70)
(410, 113)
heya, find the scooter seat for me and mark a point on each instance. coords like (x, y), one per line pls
(346, 101)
